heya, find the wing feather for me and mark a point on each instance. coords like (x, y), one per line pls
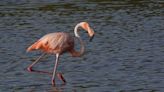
(55, 42)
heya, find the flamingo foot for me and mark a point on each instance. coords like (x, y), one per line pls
(53, 82)
(60, 76)
(30, 69)
(37, 71)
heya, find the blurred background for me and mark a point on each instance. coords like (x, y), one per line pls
(126, 55)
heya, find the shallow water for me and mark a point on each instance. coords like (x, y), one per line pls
(126, 55)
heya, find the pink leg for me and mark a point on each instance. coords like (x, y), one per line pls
(29, 68)
(54, 72)
(60, 76)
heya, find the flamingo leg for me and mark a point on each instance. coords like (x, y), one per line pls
(29, 68)
(59, 75)
(54, 71)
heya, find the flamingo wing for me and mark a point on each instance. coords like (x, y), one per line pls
(54, 43)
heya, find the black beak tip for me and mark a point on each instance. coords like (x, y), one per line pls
(91, 38)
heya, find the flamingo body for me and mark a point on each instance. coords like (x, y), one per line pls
(58, 42)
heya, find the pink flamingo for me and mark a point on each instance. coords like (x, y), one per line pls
(58, 43)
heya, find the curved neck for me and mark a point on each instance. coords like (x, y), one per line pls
(76, 31)
(81, 52)
(73, 51)
(82, 47)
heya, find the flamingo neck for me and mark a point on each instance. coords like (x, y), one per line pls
(74, 52)
(76, 30)
(78, 53)
(82, 47)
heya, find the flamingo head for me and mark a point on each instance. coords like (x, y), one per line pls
(90, 31)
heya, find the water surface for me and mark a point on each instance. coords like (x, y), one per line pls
(127, 54)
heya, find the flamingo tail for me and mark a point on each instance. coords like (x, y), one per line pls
(34, 46)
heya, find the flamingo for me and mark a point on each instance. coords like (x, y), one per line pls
(58, 43)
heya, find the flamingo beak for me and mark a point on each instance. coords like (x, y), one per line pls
(91, 38)
(90, 31)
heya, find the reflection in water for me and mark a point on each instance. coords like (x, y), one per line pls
(49, 88)
(43, 88)
(125, 56)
